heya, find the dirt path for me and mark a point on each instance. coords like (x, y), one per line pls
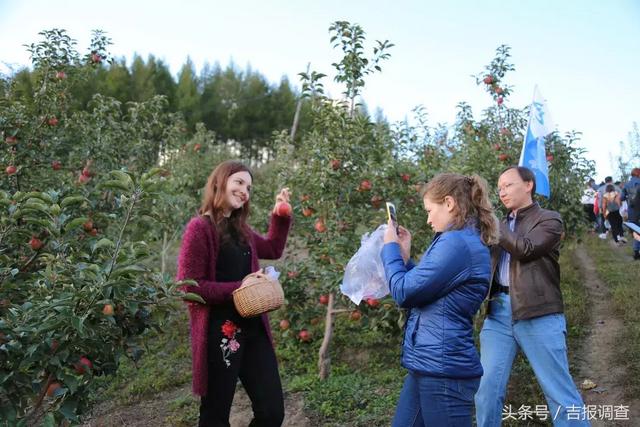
(155, 412)
(598, 354)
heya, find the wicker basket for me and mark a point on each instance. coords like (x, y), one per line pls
(258, 294)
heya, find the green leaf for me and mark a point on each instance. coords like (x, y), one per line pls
(114, 185)
(49, 420)
(104, 242)
(128, 269)
(68, 409)
(72, 200)
(123, 177)
(75, 223)
(190, 296)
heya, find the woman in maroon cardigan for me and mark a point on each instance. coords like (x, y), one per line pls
(218, 250)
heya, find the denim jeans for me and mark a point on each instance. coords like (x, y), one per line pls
(433, 401)
(543, 341)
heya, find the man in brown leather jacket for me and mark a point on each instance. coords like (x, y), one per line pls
(525, 308)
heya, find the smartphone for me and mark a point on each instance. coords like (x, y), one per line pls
(392, 215)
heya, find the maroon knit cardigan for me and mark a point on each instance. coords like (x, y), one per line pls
(197, 261)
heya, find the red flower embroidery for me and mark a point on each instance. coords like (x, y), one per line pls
(229, 329)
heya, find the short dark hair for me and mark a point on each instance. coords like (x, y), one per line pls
(610, 188)
(525, 174)
(608, 179)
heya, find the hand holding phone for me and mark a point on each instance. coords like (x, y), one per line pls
(392, 215)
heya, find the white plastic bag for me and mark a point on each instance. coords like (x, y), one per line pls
(272, 273)
(364, 276)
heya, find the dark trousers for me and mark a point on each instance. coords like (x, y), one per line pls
(616, 224)
(254, 363)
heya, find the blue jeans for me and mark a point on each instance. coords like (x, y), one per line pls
(433, 401)
(542, 339)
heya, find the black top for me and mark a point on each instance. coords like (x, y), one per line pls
(234, 261)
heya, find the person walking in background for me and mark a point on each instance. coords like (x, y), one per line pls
(588, 201)
(611, 205)
(603, 221)
(442, 292)
(525, 309)
(218, 250)
(631, 194)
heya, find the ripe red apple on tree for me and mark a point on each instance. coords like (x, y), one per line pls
(52, 121)
(107, 310)
(549, 157)
(86, 171)
(365, 185)
(197, 147)
(355, 315)
(488, 79)
(81, 365)
(499, 90)
(405, 177)
(56, 165)
(61, 75)
(307, 212)
(304, 335)
(320, 226)
(372, 302)
(83, 179)
(500, 100)
(53, 387)
(283, 209)
(11, 140)
(284, 324)
(324, 299)
(335, 164)
(10, 170)
(35, 243)
(503, 157)
(88, 226)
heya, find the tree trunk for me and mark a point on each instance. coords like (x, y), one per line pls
(324, 361)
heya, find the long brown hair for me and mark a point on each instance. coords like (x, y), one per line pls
(213, 199)
(472, 201)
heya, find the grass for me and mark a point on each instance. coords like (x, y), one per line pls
(622, 276)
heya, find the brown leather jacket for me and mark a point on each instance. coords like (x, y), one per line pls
(534, 270)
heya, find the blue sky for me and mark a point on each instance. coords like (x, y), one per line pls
(584, 55)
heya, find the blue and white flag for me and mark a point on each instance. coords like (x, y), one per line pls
(533, 154)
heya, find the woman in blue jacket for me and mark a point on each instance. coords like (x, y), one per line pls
(442, 292)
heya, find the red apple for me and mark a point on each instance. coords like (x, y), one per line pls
(197, 147)
(307, 212)
(284, 324)
(335, 164)
(82, 364)
(500, 100)
(365, 185)
(35, 243)
(88, 226)
(11, 140)
(372, 302)
(107, 310)
(94, 232)
(320, 226)
(10, 170)
(304, 335)
(550, 158)
(499, 90)
(95, 58)
(405, 177)
(61, 75)
(56, 165)
(53, 387)
(355, 315)
(283, 209)
(324, 299)
(83, 179)
(376, 201)
(87, 172)
(503, 157)
(53, 121)
(488, 79)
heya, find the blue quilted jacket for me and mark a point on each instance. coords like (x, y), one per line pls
(442, 292)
